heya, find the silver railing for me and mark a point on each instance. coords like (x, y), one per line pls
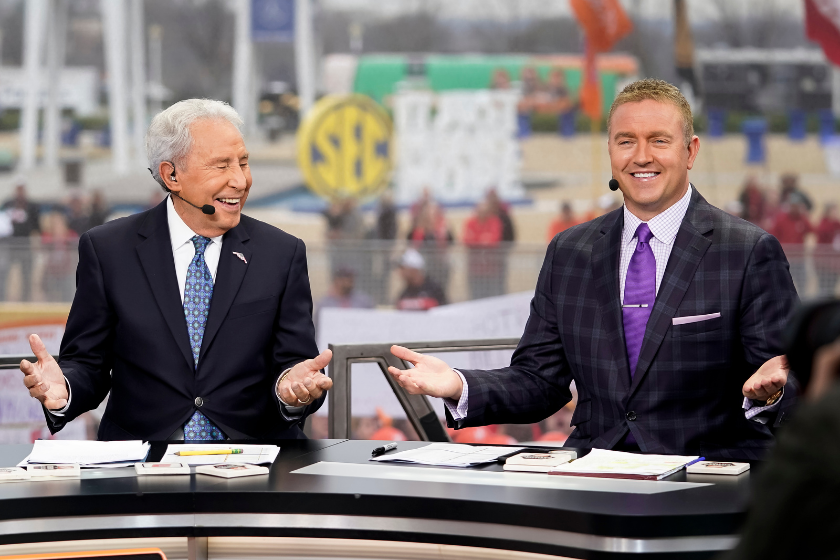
(417, 408)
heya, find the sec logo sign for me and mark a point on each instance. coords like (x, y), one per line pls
(344, 147)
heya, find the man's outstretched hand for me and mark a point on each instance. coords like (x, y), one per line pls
(769, 378)
(44, 378)
(305, 382)
(429, 376)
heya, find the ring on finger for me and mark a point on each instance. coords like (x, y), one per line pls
(308, 398)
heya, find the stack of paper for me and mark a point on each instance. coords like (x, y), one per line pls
(602, 463)
(251, 454)
(449, 455)
(91, 454)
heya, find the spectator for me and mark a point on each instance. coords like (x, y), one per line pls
(78, 220)
(386, 219)
(564, 221)
(345, 230)
(500, 79)
(790, 227)
(827, 253)
(59, 243)
(421, 292)
(532, 91)
(790, 187)
(26, 218)
(752, 201)
(502, 210)
(343, 293)
(384, 232)
(99, 210)
(431, 236)
(557, 99)
(482, 236)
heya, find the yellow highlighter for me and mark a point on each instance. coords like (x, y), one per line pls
(210, 452)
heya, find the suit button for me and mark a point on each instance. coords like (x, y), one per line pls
(631, 416)
(199, 402)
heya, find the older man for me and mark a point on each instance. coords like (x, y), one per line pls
(197, 319)
(667, 313)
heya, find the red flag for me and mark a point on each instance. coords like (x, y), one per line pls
(604, 22)
(822, 24)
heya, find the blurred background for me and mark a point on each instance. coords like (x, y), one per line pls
(426, 151)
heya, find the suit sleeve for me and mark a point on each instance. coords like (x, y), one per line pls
(86, 356)
(767, 300)
(536, 385)
(294, 332)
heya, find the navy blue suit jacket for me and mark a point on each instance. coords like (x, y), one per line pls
(686, 395)
(127, 333)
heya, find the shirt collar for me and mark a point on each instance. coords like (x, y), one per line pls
(179, 232)
(664, 226)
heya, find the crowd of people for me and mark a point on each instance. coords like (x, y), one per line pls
(423, 264)
(787, 213)
(29, 230)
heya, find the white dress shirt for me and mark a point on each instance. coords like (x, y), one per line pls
(183, 251)
(664, 227)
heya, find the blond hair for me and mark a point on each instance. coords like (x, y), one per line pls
(656, 90)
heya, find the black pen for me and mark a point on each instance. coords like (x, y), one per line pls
(383, 449)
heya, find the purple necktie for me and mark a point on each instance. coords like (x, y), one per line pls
(639, 295)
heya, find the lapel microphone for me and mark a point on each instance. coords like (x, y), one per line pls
(613, 184)
(208, 209)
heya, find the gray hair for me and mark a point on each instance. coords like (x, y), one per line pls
(169, 138)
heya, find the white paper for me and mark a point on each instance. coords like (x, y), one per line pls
(448, 455)
(88, 453)
(603, 461)
(252, 454)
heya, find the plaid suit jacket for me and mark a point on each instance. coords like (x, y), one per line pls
(686, 394)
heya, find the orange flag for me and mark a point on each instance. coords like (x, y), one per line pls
(604, 22)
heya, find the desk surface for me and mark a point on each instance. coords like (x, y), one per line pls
(476, 507)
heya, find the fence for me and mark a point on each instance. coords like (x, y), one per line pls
(35, 270)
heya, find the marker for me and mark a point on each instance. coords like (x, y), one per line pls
(383, 449)
(210, 452)
(635, 305)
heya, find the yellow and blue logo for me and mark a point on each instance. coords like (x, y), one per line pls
(344, 147)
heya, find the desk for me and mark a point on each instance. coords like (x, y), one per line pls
(565, 516)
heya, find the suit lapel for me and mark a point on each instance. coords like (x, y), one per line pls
(229, 277)
(689, 248)
(605, 256)
(155, 253)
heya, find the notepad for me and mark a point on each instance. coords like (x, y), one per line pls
(448, 455)
(231, 470)
(92, 454)
(538, 462)
(602, 463)
(251, 454)
(13, 474)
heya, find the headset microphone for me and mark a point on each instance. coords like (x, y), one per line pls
(208, 209)
(613, 185)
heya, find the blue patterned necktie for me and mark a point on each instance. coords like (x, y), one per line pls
(198, 291)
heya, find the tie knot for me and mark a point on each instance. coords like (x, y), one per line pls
(643, 233)
(201, 243)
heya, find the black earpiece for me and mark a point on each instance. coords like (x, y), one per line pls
(613, 185)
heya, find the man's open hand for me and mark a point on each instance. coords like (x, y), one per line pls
(769, 378)
(305, 382)
(429, 376)
(44, 378)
